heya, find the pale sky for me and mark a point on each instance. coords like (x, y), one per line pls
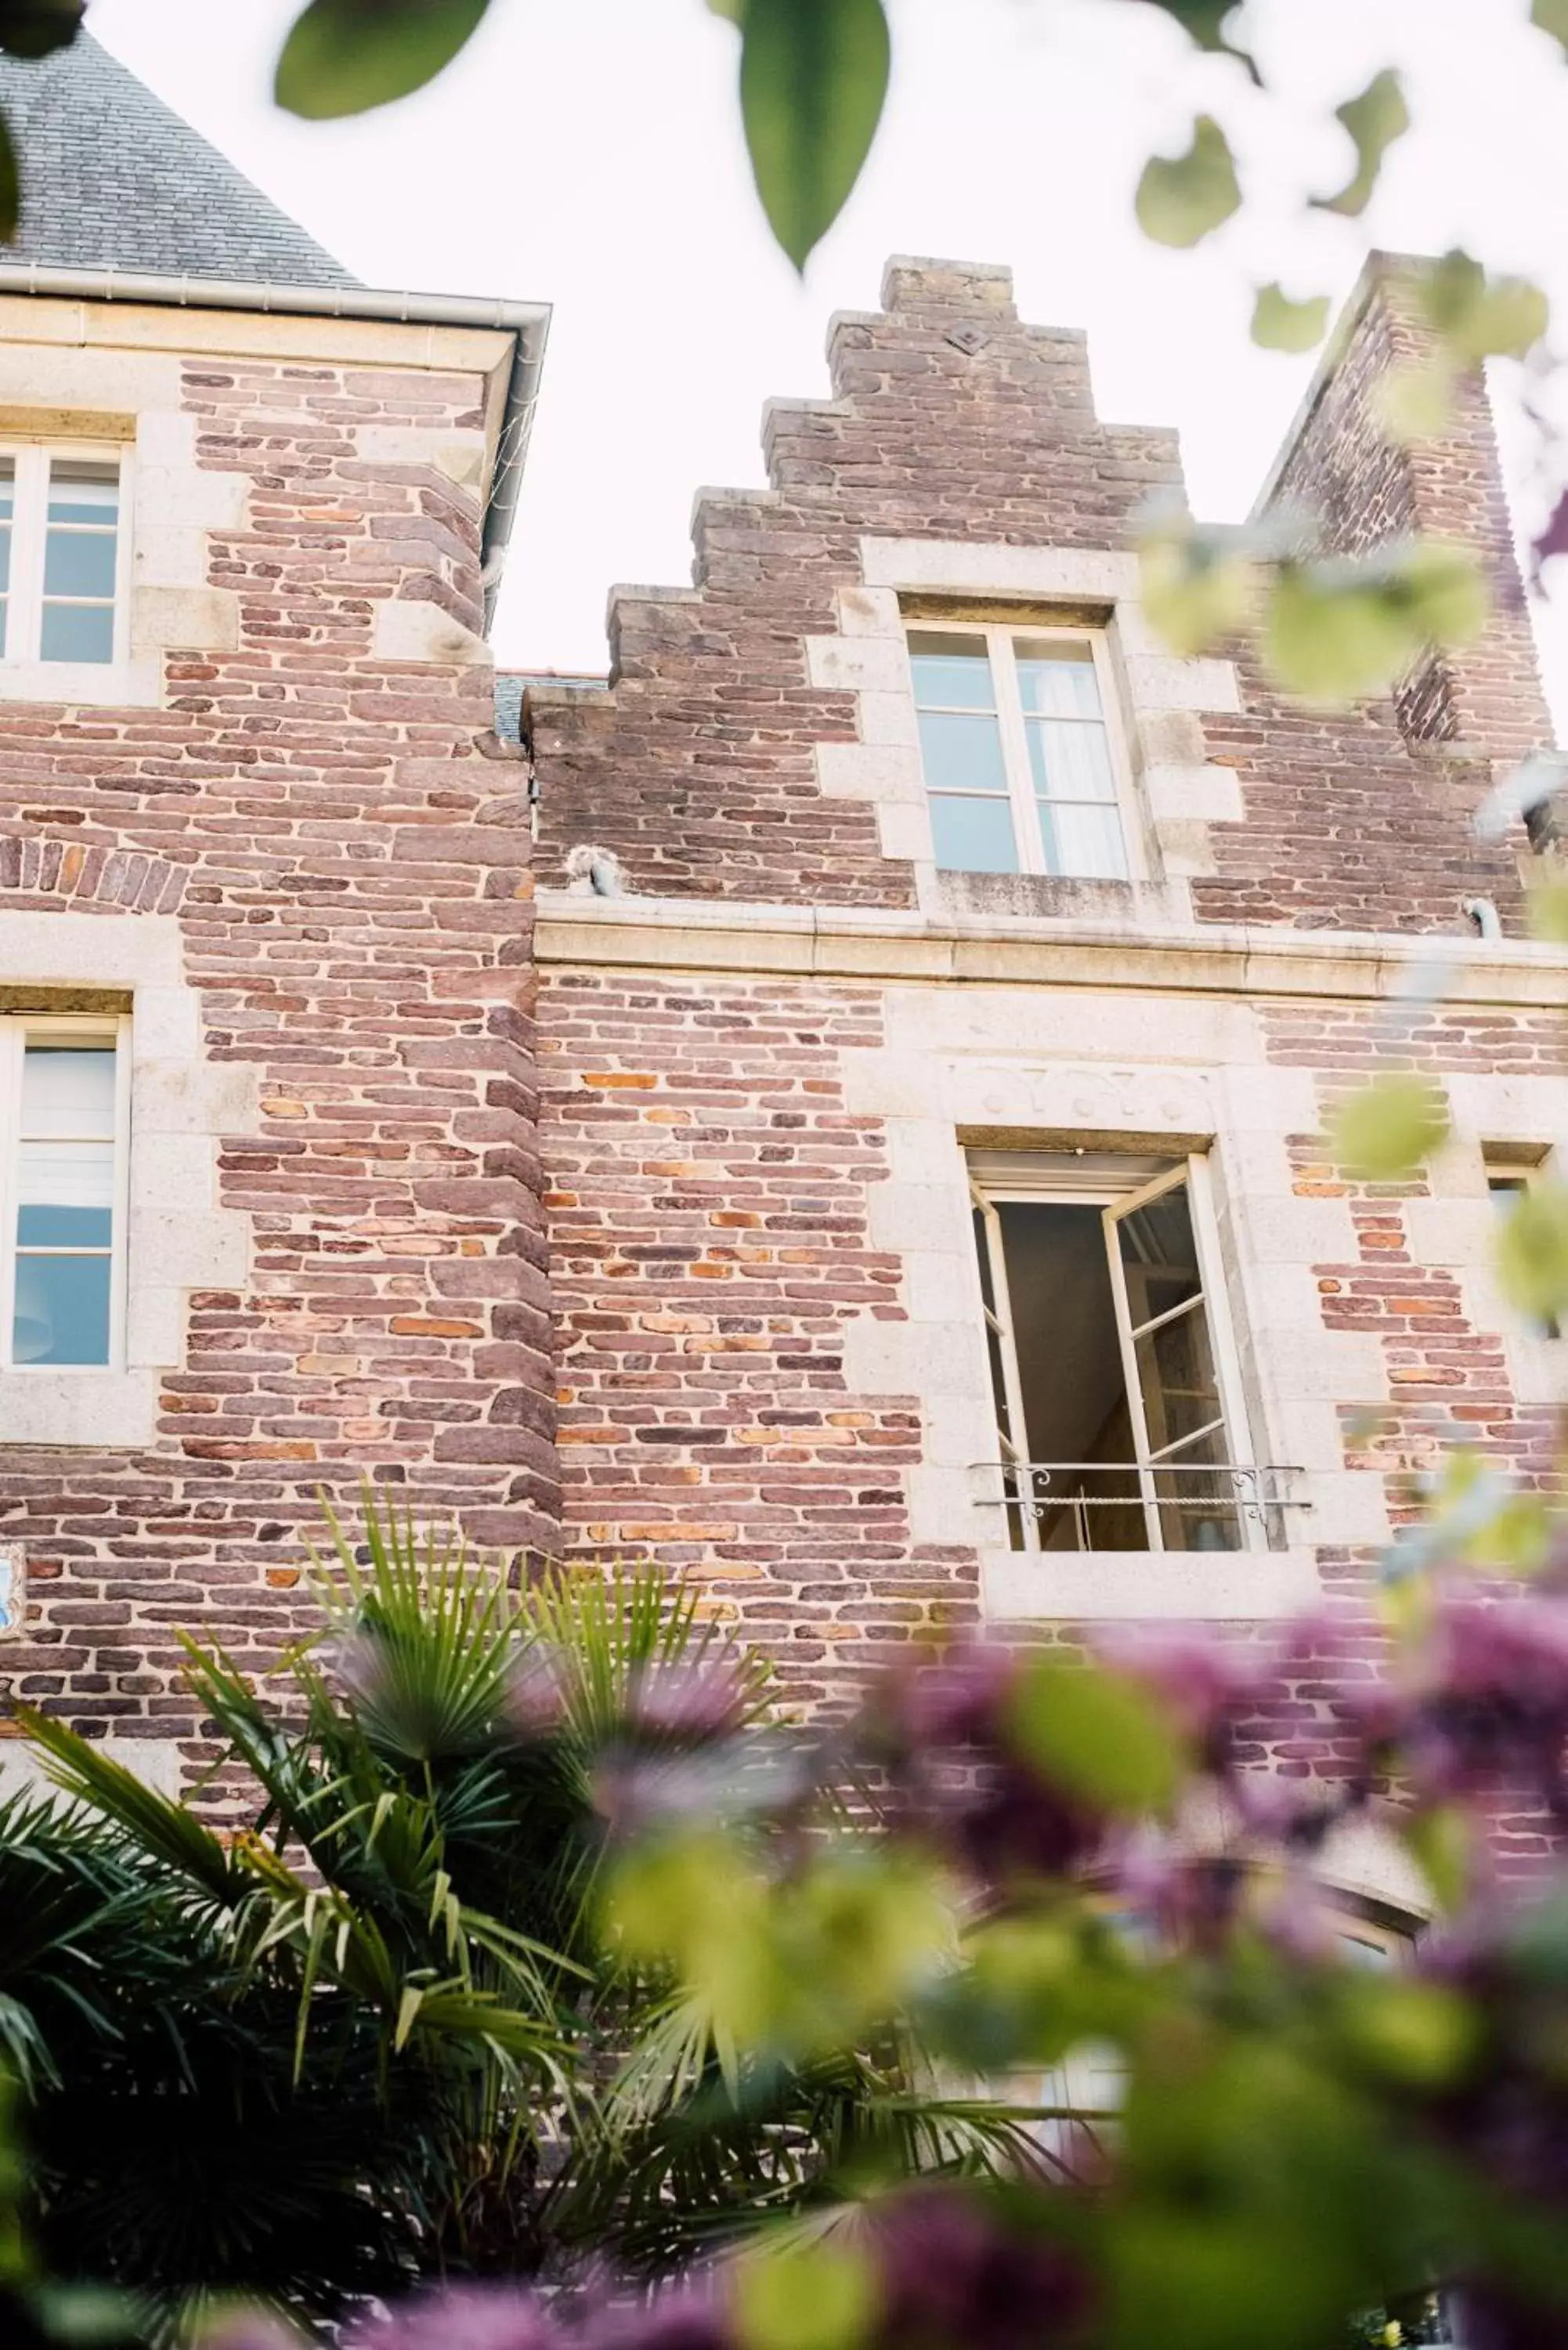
(587, 153)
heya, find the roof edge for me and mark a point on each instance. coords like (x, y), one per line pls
(528, 321)
(1375, 271)
(404, 309)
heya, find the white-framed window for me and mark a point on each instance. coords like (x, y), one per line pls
(1115, 1379)
(65, 1093)
(64, 556)
(1024, 769)
(1511, 1173)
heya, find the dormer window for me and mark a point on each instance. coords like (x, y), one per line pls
(1022, 771)
(61, 557)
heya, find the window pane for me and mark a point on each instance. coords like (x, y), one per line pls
(1070, 761)
(1175, 1375)
(65, 1175)
(1159, 1257)
(1057, 677)
(1083, 844)
(973, 836)
(62, 1309)
(78, 632)
(80, 563)
(950, 670)
(961, 754)
(67, 1090)
(84, 493)
(1198, 1507)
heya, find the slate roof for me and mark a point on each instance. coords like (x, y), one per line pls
(113, 179)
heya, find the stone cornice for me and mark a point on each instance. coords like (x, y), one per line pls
(872, 943)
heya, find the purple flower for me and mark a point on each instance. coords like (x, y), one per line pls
(689, 1703)
(950, 2275)
(463, 2318)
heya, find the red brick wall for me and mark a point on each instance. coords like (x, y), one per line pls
(349, 867)
(950, 419)
(709, 1246)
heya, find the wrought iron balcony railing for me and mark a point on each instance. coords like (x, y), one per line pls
(1142, 1505)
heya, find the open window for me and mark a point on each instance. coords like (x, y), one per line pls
(1118, 1414)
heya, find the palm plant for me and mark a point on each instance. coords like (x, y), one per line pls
(379, 2031)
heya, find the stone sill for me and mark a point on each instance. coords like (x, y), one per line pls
(894, 943)
(1123, 1586)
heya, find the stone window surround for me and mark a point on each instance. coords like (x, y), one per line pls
(1289, 1394)
(169, 504)
(1180, 793)
(178, 1238)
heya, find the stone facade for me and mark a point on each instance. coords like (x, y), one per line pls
(288, 843)
(765, 1070)
(419, 1163)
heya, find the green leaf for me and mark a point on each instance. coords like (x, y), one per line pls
(1533, 1251)
(343, 56)
(1375, 120)
(1097, 1734)
(1204, 21)
(36, 28)
(1442, 1843)
(1419, 2035)
(1338, 630)
(1281, 324)
(1552, 17)
(815, 2295)
(1387, 1129)
(814, 77)
(1197, 588)
(1180, 198)
(1481, 318)
(1415, 403)
(10, 185)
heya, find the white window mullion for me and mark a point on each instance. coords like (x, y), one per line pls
(1016, 1436)
(1137, 1418)
(119, 1230)
(1253, 1513)
(27, 555)
(1121, 755)
(1015, 751)
(11, 1045)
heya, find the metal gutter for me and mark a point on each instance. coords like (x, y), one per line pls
(529, 322)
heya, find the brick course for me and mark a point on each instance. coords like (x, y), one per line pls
(347, 849)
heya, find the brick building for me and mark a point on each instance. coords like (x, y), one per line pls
(901, 1200)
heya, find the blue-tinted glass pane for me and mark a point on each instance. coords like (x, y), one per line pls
(62, 1310)
(41, 1224)
(951, 672)
(1056, 678)
(5, 615)
(5, 558)
(80, 563)
(67, 1090)
(1083, 842)
(78, 632)
(83, 494)
(975, 836)
(961, 753)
